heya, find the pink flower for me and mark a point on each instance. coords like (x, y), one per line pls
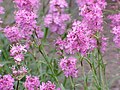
(91, 11)
(32, 83)
(80, 40)
(24, 17)
(19, 72)
(77, 40)
(6, 82)
(57, 5)
(27, 4)
(60, 44)
(1, 10)
(101, 3)
(25, 20)
(1, 1)
(39, 33)
(56, 22)
(115, 24)
(13, 34)
(103, 44)
(17, 53)
(56, 19)
(92, 20)
(68, 66)
(47, 86)
(116, 39)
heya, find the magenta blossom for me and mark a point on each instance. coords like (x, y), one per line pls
(17, 52)
(29, 5)
(56, 18)
(68, 66)
(6, 82)
(32, 83)
(1, 10)
(19, 72)
(56, 22)
(13, 34)
(115, 24)
(57, 5)
(47, 86)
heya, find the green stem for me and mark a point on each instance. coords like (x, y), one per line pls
(72, 83)
(83, 72)
(49, 65)
(84, 76)
(17, 87)
(101, 66)
(70, 5)
(45, 34)
(65, 80)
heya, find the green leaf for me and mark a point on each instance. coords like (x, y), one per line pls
(4, 63)
(62, 87)
(45, 33)
(59, 73)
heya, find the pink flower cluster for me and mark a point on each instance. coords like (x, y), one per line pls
(13, 34)
(47, 86)
(25, 25)
(91, 11)
(58, 5)
(68, 66)
(27, 4)
(26, 17)
(32, 83)
(92, 19)
(20, 72)
(81, 38)
(115, 24)
(56, 19)
(39, 33)
(18, 53)
(20, 35)
(77, 40)
(1, 10)
(103, 44)
(26, 22)
(6, 82)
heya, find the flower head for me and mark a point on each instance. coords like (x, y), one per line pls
(56, 19)
(25, 20)
(13, 34)
(32, 83)
(17, 52)
(115, 24)
(57, 5)
(6, 82)
(68, 66)
(19, 73)
(1, 10)
(56, 22)
(47, 86)
(29, 5)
